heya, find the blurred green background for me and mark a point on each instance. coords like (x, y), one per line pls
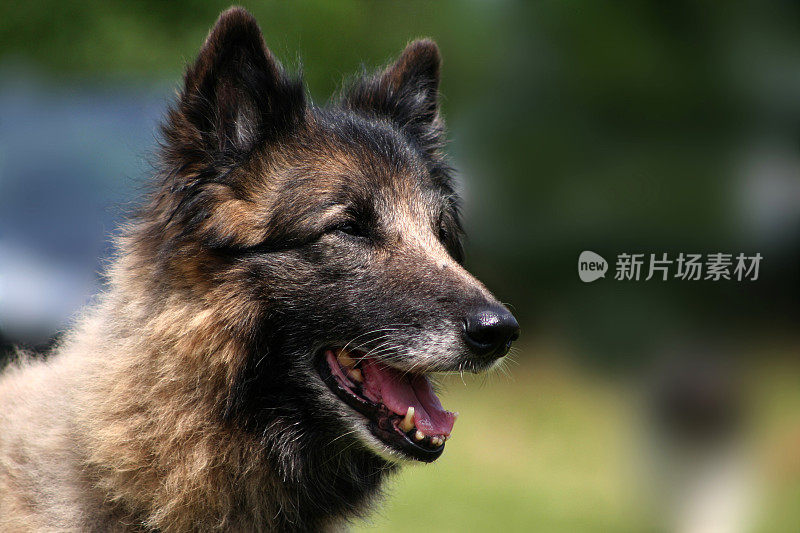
(644, 127)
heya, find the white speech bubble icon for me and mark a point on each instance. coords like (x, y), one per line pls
(591, 266)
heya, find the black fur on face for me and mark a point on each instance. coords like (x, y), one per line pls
(308, 228)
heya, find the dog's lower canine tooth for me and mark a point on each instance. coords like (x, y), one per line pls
(344, 359)
(419, 435)
(408, 421)
(355, 375)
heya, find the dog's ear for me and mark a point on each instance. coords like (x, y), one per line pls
(236, 94)
(407, 91)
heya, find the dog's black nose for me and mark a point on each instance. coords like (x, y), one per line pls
(490, 330)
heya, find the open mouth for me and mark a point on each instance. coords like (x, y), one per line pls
(401, 409)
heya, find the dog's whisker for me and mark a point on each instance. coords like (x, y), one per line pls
(386, 327)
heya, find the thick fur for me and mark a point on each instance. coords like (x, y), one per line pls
(186, 398)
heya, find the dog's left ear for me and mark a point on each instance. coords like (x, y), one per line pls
(236, 94)
(407, 91)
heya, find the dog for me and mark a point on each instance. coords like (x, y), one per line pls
(260, 357)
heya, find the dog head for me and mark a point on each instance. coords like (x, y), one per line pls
(327, 240)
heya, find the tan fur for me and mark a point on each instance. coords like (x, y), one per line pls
(124, 411)
(125, 418)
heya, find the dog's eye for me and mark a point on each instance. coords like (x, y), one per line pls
(350, 228)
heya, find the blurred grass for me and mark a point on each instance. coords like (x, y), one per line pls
(553, 448)
(544, 448)
(777, 425)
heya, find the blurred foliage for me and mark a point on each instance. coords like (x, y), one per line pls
(614, 127)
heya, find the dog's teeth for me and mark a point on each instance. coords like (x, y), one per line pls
(419, 435)
(436, 441)
(355, 375)
(344, 359)
(408, 421)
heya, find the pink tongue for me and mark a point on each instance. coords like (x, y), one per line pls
(398, 392)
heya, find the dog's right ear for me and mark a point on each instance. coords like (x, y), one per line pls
(236, 95)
